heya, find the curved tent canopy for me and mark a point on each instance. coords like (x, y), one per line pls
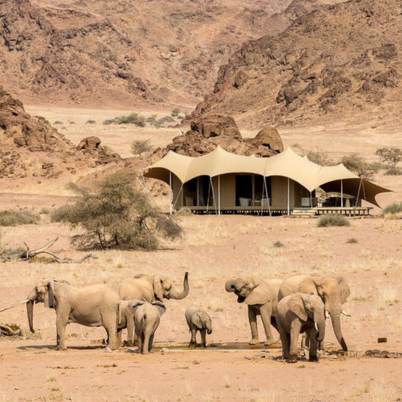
(287, 164)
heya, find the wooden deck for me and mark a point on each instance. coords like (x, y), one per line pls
(317, 211)
(351, 211)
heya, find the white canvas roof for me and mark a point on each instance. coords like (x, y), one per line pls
(286, 164)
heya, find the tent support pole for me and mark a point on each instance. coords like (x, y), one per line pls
(219, 195)
(311, 199)
(171, 194)
(178, 195)
(358, 192)
(213, 194)
(341, 193)
(266, 195)
(288, 196)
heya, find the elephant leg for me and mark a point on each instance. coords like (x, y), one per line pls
(295, 328)
(61, 324)
(203, 338)
(313, 344)
(285, 340)
(151, 342)
(252, 318)
(266, 312)
(193, 340)
(145, 343)
(118, 338)
(130, 331)
(110, 325)
(140, 340)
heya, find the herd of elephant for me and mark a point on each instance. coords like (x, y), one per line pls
(296, 305)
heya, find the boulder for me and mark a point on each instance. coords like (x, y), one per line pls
(215, 125)
(89, 143)
(269, 137)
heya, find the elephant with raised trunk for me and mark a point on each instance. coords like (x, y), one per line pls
(333, 291)
(150, 288)
(92, 306)
(261, 296)
(298, 313)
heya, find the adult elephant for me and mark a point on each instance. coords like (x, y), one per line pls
(333, 290)
(261, 297)
(149, 288)
(92, 306)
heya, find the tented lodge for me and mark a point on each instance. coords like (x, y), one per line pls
(223, 182)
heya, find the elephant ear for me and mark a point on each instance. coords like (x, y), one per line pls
(50, 295)
(158, 290)
(310, 285)
(136, 303)
(296, 306)
(160, 306)
(260, 294)
(344, 289)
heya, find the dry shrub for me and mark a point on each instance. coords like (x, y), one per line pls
(360, 166)
(139, 147)
(133, 118)
(332, 220)
(278, 244)
(15, 218)
(320, 158)
(393, 211)
(117, 215)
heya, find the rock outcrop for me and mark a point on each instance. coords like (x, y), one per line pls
(214, 129)
(30, 146)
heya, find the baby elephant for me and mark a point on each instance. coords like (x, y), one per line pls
(297, 313)
(146, 321)
(198, 320)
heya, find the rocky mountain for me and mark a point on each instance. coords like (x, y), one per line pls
(337, 61)
(123, 52)
(31, 147)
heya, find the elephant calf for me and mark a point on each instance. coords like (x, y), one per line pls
(146, 320)
(297, 313)
(198, 320)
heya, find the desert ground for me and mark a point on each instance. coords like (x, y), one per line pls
(213, 249)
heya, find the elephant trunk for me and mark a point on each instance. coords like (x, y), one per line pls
(181, 295)
(319, 319)
(208, 326)
(30, 308)
(229, 286)
(336, 324)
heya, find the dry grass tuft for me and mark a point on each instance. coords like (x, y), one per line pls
(15, 218)
(332, 220)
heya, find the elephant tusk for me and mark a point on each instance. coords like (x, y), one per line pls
(346, 314)
(13, 305)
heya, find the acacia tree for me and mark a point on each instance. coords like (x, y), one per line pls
(117, 215)
(391, 156)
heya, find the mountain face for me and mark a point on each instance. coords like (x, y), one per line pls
(123, 52)
(337, 61)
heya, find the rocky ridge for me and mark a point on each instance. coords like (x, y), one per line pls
(337, 61)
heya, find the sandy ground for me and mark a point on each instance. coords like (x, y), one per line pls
(212, 250)
(229, 370)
